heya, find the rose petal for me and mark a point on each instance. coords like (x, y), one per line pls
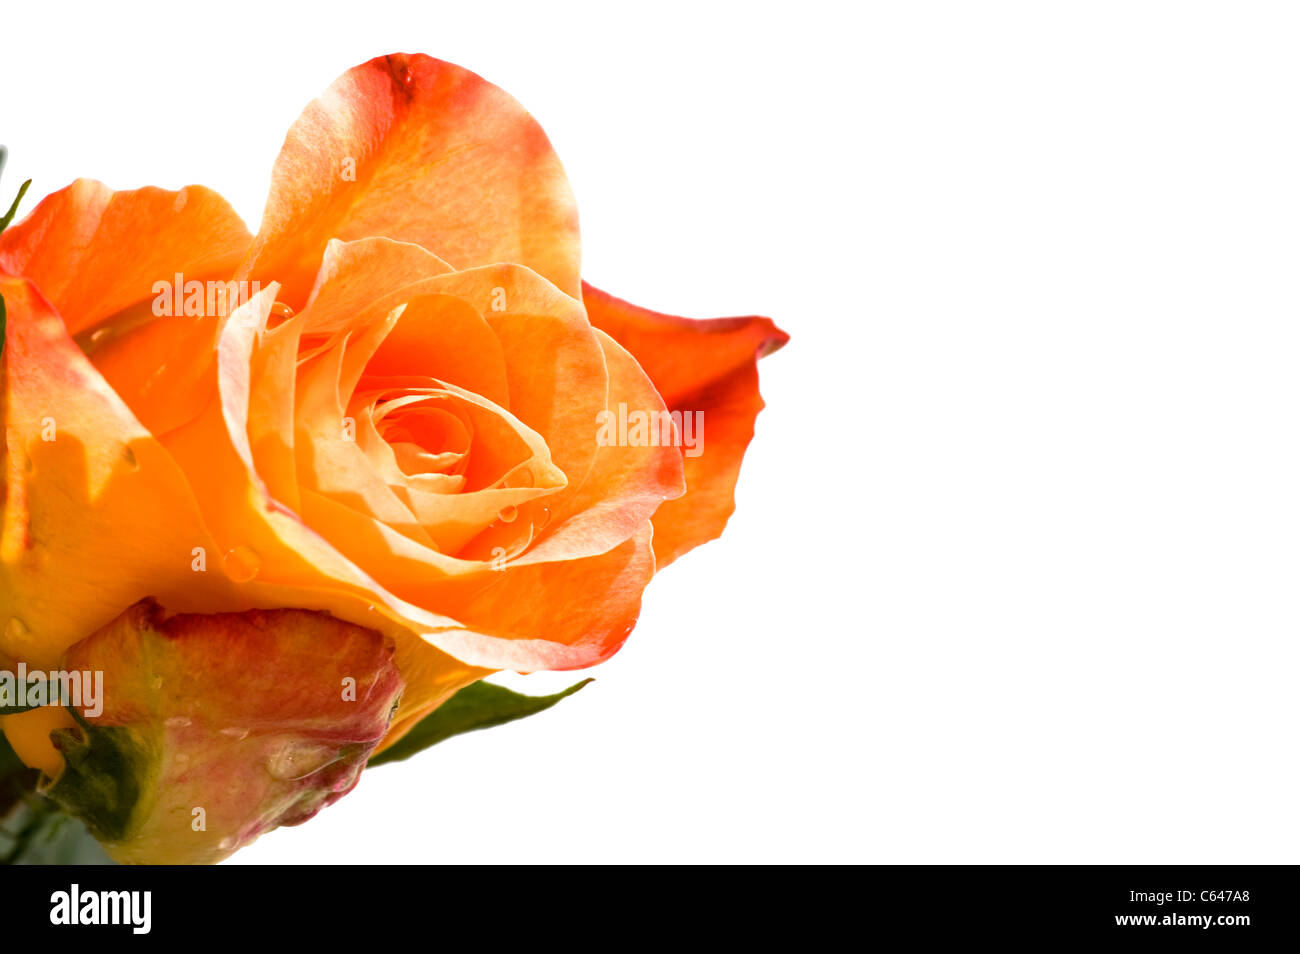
(422, 151)
(625, 486)
(439, 336)
(554, 362)
(96, 255)
(162, 368)
(359, 282)
(94, 252)
(590, 608)
(331, 464)
(97, 515)
(708, 366)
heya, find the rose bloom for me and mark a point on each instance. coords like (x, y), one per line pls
(392, 415)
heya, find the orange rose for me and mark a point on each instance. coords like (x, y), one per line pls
(406, 409)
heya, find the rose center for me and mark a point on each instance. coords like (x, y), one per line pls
(426, 438)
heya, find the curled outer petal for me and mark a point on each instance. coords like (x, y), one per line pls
(709, 367)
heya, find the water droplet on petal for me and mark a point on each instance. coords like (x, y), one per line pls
(280, 313)
(156, 682)
(177, 722)
(542, 518)
(92, 340)
(299, 759)
(241, 563)
(226, 844)
(508, 514)
(235, 732)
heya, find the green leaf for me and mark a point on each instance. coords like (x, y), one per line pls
(9, 761)
(17, 781)
(13, 209)
(32, 829)
(37, 833)
(480, 705)
(22, 191)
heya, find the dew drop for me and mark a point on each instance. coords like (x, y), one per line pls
(234, 732)
(156, 682)
(93, 340)
(177, 722)
(508, 514)
(280, 313)
(241, 563)
(226, 844)
(298, 760)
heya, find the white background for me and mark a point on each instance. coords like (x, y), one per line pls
(1014, 572)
